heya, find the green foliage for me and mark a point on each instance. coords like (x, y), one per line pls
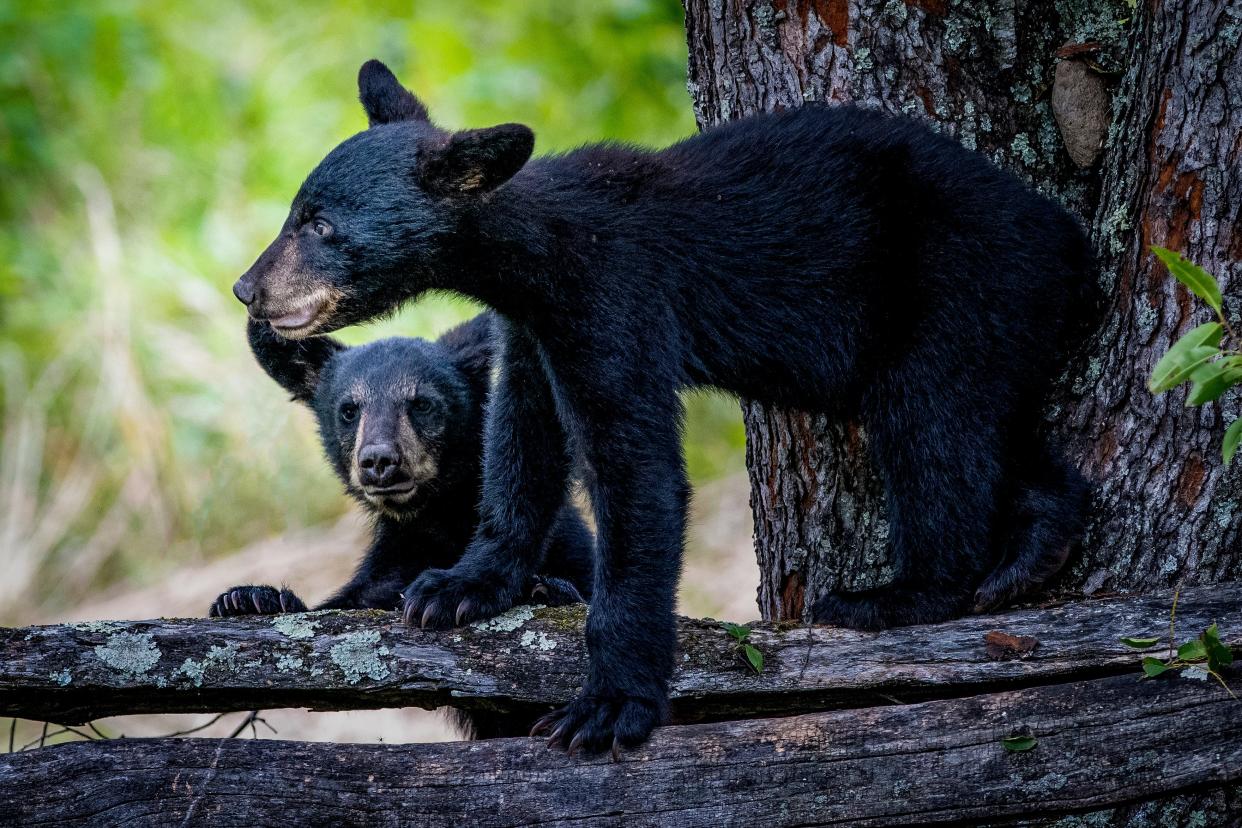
(1189, 352)
(1233, 435)
(748, 652)
(1206, 357)
(1196, 658)
(149, 152)
(1153, 666)
(1197, 279)
(1019, 742)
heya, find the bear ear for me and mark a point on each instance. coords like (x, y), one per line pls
(297, 364)
(477, 161)
(384, 98)
(471, 347)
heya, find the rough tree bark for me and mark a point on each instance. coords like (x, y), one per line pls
(878, 766)
(530, 660)
(1028, 82)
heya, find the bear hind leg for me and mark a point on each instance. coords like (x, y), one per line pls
(1046, 518)
(940, 456)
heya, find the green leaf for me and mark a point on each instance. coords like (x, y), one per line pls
(1175, 374)
(754, 657)
(1019, 743)
(1164, 375)
(1213, 379)
(1153, 666)
(1192, 651)
(1218, 654)
(1140, 643)
(1199, 281)
(738, 631)
(1233, 436)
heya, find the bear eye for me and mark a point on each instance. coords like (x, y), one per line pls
(321, 228)
(420, 405)
(349, 411)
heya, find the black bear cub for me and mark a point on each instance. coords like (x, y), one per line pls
(401, 422)
(828, 259)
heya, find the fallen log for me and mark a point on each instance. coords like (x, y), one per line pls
(531, 658)
(1096, 743)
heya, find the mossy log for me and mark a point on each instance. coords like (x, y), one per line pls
(532, 658)
(1096, 743)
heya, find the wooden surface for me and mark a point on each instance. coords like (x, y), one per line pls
(74, 673)
(1099, 743)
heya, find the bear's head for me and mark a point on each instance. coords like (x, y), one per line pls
(400, 419)
(370, 226)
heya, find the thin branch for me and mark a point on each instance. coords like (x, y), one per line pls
(246, 722)
(44, 736)
(204, 726)
(1172, 621)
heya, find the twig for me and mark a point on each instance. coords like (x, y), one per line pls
(97, 731)
(213, 720)
(43, 737)
(247, 722)
(810, 645)
(1172, 621)
(1223, 683)
(12, 733)
(1225, 322)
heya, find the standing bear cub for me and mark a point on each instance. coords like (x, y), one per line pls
(401, 422)
(827, 259)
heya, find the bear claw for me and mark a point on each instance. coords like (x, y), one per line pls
(599, 725)
(255, 600)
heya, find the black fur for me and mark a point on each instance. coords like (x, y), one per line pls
(830, 259)
(433, 526)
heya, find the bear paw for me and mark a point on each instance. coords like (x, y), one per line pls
(554, 592)
(594, 724)
(255, 600)
(443, 598)
(995, 593)
(892, 606)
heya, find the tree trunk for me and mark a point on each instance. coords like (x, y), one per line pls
(1029, 83)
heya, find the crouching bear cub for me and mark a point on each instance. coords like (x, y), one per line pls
(401, 422)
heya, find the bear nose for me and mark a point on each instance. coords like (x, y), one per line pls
(378, 463)
(243, 289)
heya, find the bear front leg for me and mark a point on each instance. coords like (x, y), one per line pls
(525, 478)
(640, 495)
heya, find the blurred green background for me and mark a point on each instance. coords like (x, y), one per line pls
(148, 152)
